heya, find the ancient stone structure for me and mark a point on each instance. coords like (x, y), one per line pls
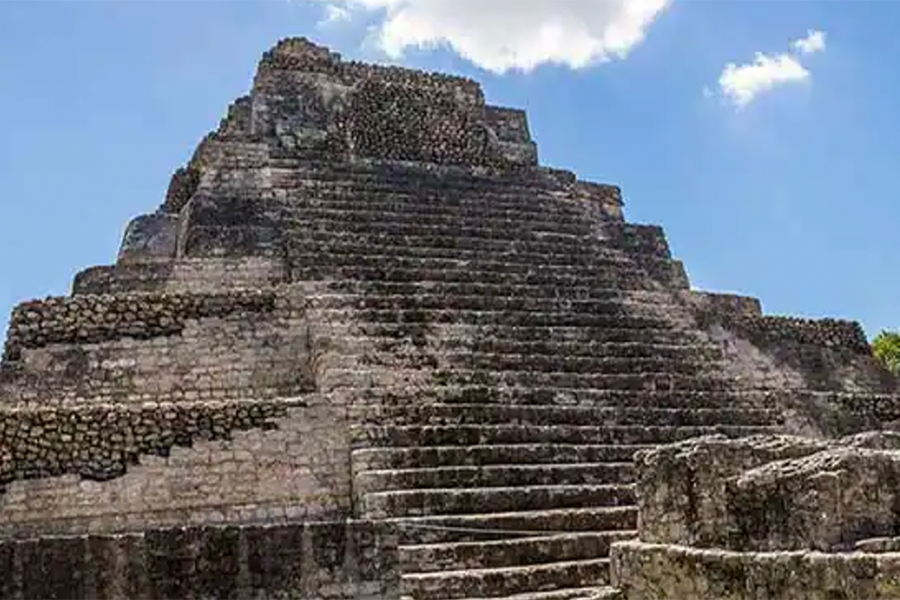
(768, 517)
(369, 348)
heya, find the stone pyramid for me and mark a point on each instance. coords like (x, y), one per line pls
(369, 348)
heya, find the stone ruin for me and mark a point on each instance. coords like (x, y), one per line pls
(368, 347)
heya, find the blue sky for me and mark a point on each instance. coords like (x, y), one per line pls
(792, 197)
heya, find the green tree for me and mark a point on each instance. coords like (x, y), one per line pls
(886, 347)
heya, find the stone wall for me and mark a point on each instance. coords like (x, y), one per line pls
(93, 319)
(765, 518)
(185, 275)
(124, 278)
(162, 347)
(298, 54)
(662, 572)
(307, 100)
(828, 354)
(333, 560)
(114, 468)
(415, 124)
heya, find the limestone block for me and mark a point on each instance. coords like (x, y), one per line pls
(666, 572)
(769, 492)
(683, 489)
(826, 501)
(150, 238)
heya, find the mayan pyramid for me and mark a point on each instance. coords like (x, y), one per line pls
(368, 347)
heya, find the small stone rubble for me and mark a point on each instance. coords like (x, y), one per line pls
(363, 309)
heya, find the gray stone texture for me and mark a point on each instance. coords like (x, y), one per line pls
(769, 492)
(363, 300)
(327, 561)
(647, 571)
(768, 517)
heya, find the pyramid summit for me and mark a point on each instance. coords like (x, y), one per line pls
(368, 347)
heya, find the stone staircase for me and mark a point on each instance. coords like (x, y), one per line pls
(542, 350)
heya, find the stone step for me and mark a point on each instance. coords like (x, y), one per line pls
(479, 435)
(483, 414)
(374, 459)
(360, 377)
(550, 232)
(331, 174)
(353, 190)
(512, 199)
(461, 248)
(424, 301)
(589, 365)
(557, 277)
(586, 398)
(454, 350)
(564, 364)
(457, 501)
(582, 270)
(629, 238)
(469, 211)
(494, 476)
(586, 593)
(506, 346)
(549, 334)
(504, 581)
(500, 200)
(503, 199)
(376, 252)
(436, 529)
(635, 381)
(496, 318)
(510, 552)
(313, 215)
(443, 289)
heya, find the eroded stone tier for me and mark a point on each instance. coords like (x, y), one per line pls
(364, 299)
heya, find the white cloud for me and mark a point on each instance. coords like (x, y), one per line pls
(500, 35)
(335, 14)
(812, 43)
(741, 84)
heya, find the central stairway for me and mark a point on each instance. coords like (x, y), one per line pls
(517, 353)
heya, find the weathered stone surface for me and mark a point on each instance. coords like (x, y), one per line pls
(334, 561)
(87, 319)
(646, 571)
(363, 297)
(825, 501)
(765, 517)
(684, 489)
(769, 493)
(150, 238)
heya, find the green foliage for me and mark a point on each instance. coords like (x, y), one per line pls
(886, 347)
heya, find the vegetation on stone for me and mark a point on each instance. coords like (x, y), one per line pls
(886, 347)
